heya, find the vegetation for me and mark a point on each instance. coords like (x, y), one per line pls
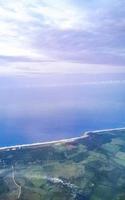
(91, 168)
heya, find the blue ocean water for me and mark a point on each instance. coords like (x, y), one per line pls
(46, 107)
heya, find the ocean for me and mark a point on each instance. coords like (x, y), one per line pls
(46, 107)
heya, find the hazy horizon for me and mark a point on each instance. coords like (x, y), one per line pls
(62, 68)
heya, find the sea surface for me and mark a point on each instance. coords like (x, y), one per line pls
(38, 108)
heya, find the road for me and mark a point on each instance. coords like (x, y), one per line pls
(16, 184)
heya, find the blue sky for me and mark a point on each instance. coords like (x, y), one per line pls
(62, 36)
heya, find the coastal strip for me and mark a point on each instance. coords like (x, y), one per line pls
(85, 134)
(15, 147)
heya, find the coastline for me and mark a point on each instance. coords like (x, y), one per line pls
(85, 135)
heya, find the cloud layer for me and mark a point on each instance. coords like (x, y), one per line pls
(72, 31)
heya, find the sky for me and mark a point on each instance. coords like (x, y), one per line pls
(69, 36)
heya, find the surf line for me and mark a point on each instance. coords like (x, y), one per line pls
(17, 185)
(84, 135)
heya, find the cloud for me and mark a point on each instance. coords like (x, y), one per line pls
(31, 67)
(67, 31)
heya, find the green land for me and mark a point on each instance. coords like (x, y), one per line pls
(86, 168)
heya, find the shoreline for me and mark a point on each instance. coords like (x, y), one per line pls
(85, 134)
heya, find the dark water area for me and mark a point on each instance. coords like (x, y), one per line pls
(39, 108)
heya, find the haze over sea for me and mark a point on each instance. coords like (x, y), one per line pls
(62, 68)
(47, 107)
